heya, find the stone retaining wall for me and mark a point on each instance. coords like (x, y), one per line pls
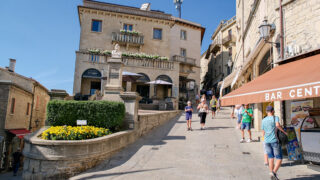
(47, 159)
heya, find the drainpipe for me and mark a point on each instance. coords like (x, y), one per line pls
(281, 30)
(32, 105)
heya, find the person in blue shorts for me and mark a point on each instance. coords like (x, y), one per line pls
(272, 146)
(188, 109)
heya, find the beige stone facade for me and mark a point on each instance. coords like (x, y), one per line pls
(179, 46)
(23, 103)
(221, 54)
(255, 56)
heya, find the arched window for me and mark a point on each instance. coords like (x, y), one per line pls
(164, 78)
(144, 79)
(91, 73)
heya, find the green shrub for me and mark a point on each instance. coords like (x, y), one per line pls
(104, 114)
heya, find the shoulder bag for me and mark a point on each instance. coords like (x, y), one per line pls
(281, 137)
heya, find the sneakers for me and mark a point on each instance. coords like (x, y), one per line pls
(191, 129)
(273, 176)
(249, 140)
(242, 141)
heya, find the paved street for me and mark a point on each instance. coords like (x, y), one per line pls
(171, 152)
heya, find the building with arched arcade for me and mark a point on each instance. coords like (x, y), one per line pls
(154, 44)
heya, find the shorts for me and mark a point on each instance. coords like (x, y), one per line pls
(203, 118)
(214, 109)
(239, 118)
(273, 150)
(246, 125)
(188, 116)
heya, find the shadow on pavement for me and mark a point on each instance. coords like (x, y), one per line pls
(119, 173)
(311, 177)
(154, 138)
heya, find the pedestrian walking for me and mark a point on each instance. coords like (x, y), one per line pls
(247, 115)
(16, 161)
(197, 98)
(203, 97)
(272, 146)
(238, 114)
(203, 110)
(213, 105)
(188, 109)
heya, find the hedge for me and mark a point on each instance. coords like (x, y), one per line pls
(104, 114)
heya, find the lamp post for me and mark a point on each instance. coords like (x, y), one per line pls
(178, 6)
(229, 63)
(265, 29)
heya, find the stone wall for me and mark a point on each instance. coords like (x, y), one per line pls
(46, 159)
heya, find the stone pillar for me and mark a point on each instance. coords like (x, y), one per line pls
(113, 87)
(131, 101)
(129, 86)
(257, 115)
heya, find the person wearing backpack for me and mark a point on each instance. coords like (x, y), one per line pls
(272, 146)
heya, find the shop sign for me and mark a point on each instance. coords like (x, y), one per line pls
(293, 93)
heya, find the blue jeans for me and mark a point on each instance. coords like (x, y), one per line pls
(16, 167)
(273, 150)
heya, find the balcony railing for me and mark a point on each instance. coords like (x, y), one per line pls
(148, 63)
(185, 60)
(229, 39)
(127, 38)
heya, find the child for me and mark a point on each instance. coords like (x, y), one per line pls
(188, 109)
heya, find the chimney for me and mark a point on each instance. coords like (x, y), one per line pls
(145, 7)
(12, 65)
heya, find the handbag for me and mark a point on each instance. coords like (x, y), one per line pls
(281, 137)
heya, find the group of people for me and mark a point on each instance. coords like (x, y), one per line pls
(271, 145)
(203, 110)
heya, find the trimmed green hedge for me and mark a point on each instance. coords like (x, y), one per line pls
(104, 114)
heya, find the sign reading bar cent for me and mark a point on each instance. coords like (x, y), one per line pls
(81, 122)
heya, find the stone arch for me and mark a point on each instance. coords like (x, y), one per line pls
(164, 78)
(91, 73)
(145, 78)
(90, 82)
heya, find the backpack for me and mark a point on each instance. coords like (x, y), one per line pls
(281, 137)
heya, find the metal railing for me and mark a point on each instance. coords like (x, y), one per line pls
(127, 38)
(182, 59)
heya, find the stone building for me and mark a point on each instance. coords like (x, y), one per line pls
(221, 54)
(256, 56)
(154, 44)
(22, 110)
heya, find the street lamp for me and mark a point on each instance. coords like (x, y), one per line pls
(229, 63)
(178, 6)
(265, 30)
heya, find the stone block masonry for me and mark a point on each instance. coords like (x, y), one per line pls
(46, 159)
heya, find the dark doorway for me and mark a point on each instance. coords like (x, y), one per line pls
(143, 90)
(94, 86)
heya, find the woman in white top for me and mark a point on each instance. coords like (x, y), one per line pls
(203, 110)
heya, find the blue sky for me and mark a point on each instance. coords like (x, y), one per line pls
(43, 35)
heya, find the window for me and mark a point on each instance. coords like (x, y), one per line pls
(183, 35)
(13, 104)
(157, 33)
(183, 52)
(28, 109)
(96, 25)
(127, 27)
(230, 51)
(94, 58)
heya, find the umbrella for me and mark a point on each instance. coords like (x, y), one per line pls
(130, 76)
(159, 82)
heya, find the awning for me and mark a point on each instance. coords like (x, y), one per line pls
(19, 132)
(228, 80)
(295, 80)
(160, 82)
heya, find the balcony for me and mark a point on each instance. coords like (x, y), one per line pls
(148, 63)
(229, 40)
(215, 47)
(184, 60)
(123, 38)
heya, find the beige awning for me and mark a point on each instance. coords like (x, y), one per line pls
(228, 80)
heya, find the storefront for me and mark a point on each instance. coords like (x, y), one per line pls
(295, 88)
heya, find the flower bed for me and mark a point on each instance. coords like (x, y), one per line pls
(73, 133)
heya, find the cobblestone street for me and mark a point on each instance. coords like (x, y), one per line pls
(171, 152)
